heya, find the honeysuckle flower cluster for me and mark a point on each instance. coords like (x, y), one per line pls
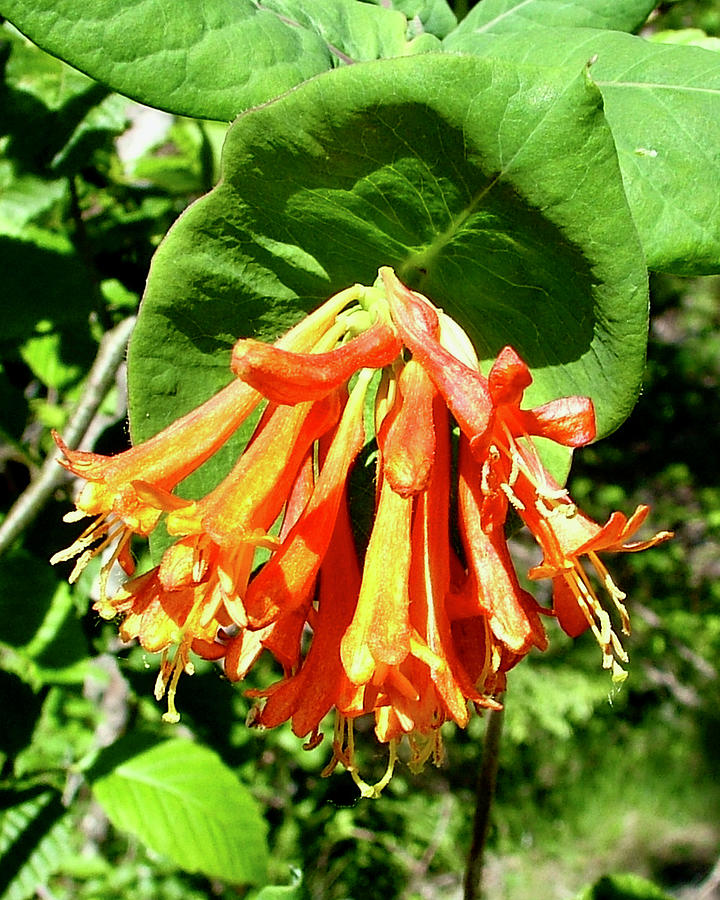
(422, 627)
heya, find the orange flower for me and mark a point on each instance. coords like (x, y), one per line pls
(492, 588)
(286, 377)
(406, 436)
(161, 619)
(127, 493)
(464, 389)
(427, 626)
(565, 536)
(513, 471)
(288, 577)
(320, 683)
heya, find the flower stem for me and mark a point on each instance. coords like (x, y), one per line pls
(484, 798)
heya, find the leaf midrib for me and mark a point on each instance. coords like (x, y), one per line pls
(445, 237)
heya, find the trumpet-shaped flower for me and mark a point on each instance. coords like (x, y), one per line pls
(425, 626)
(514, 472)
(126, 494)
(171, 622)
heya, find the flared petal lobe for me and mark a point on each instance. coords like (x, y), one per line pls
(285, 377)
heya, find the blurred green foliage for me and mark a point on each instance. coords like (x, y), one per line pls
(592, 779)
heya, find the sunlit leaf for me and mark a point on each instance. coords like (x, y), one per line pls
(662, 102)
(183, 802)
(507, 16)
(34, 837)
(213, 62)
(495, 190)
(433, 16)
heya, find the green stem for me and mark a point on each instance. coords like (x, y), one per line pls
(484, 798)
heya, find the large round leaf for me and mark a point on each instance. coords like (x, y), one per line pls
(492, 188)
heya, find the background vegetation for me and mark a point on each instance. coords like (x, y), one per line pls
(593, 780)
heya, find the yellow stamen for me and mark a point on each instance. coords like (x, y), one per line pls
(422, 747)
(598, 620)
(74, 515)
(512, 497)
(170, 671)
(526, 459)
(339, 753)
(101, 533)
(344, 752)
(613, 590)
(373, 791)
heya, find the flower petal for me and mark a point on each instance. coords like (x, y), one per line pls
(288, 577)
(508, 378)
(380, 630)
(569, 421)
(285, 377)
(465, 390)
(407, 435)
(308, 695)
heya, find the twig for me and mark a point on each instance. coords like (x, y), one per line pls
(484, 799)
(101, 377)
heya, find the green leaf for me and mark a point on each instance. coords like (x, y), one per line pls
(53, 115)
(434, 16)
(34, 837)
(65, 731)
(25, 199)
(94, 130)
(211, 65)
(42, 353)
(23, 575)
(292, 891)
(43, 277)
(493, 189)
(183, 802)
(503, 16)
(662, 102)
(694, 37)
(623, 887)
(42, 643)
(40, 77)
